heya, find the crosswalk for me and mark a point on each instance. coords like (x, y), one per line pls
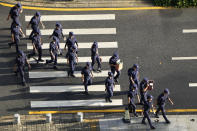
(43, 74)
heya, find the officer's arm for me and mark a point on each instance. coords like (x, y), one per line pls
(92, 73)
(82, 77)
(29, 24)
(21, 31)
(76, 43)
(52, 54)
(77, 58)
(138, 98)
(146, 88)
(153, 109)
(129, 99)
(65, 46)
(42, 24)
(29, 66)
(34, 47)
(131, 79)
(8, 16)
(170, 101)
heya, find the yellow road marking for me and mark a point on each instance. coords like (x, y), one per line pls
(87, 9)
(103, 111)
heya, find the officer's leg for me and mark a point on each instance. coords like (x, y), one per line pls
(22, 74)
(149, 121)
(93, 62)
(164, 114)
(31, 35)
(58, 45)
(157, 112)
(99, 63)
(50, 61)
(40, 53)
(110, 95)
(55, 62)
(16, 44)
(86, 85)
(144, 118)
(134, 109)
(113, 70)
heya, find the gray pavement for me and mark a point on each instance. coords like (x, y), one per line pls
(83, 3)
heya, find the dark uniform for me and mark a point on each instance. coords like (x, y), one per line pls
(35, 21)
(131, 94)
(109, 85)
(95, 56)
(53, 49)
(72, 61)
(71, 41)
(161, 104)
(113, 62)
(36, 42)
(20, 62)
(133, 73)
(147, 107)
(15, 30)
(59, 34)
(143, 85)
(86, 72)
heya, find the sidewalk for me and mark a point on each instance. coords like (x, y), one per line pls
(83, 3)
(96, 122)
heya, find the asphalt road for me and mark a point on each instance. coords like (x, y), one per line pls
(150, 38)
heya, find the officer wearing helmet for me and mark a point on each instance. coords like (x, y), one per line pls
(147, 106)
(113, 64)
(131, 95)
(133, 74)
(34, 22)
(53, 49)
(95, 56)
(37, 46)
(143, 90)
(58, 32)
(161, 100)
(71, 41)
(21, 61)
(109, 85)
(87, 76)
(72, 60)
(15, 12)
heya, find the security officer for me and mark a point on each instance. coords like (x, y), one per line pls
(147, 106)
(143, 90)
(87, 76)
(131, 95)
(58, 33)
(109, 85)
(37, 46)
(113, 63)
(34, 22)
(95, 56)
(53, 49)
(15, 31)
(21, 60)
(161, 104)
(72, 57)
(133, 74)
(15, 11)
(71, 41)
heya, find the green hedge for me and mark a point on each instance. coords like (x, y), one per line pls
(176, 3)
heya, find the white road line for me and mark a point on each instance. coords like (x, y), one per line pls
(81, 45)
(189, 30)
(74, 17)
(185, 58)
(53, 74)
(73, 103)
(87, 31)
(192, 84)
(68, 88)
(61, 60)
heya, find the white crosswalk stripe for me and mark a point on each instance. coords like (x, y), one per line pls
(43, 74)
(53, 74)
(74, 17)
(87, 31)
(64, 60)
(189, 30)
(74, 103)
(81, 45)
(68, 88)
(192, 84)
(184, 58)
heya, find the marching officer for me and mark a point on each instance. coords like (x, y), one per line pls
(161, 104)
(113, 63)
(59, 34)
(37, 46)
(34, 22)
(131, 95)
(53, 49)
(15, 12)
(87, 76)
(95, 56)
(143, 90)
(147, 106)
(71, 41)
(133, 74)
(72, 60)
(15, 31)
(21, 60)
(109, 85)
